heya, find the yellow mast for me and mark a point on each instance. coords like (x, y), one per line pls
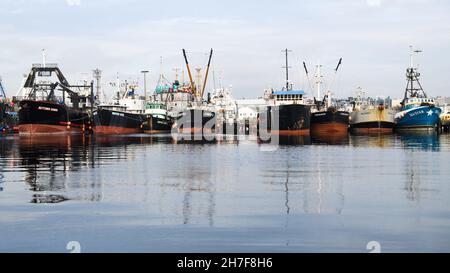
(207, 72)
(189, 73)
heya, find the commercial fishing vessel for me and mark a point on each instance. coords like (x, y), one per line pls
(4, 128)
(43, 111)
(287, 112)
(445, 119)
(327, 119)
(198, 117)
(331, 120)
(418, 112)
(225, 107)
(157, 118)
(369, 116)
(124, 116)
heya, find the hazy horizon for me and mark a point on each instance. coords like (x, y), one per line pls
(372, 37)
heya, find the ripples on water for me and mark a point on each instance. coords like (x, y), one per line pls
(156, 193)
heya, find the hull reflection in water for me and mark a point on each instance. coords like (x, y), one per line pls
(373, 141)
(425, 140)
(46, 161)
(207, 196)
(276, 139)
(330, 139)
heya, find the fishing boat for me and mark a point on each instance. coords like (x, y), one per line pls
(43, 111)
(445, 119)
(3, 126)
(371, 116)
(197, 121)
(418, 111)
(287, 112)
(327, 119)
(330, 121)
(157, 119)
(124, 116)
(3, 110)
(199, 117)
(9, 118)
(226, 109)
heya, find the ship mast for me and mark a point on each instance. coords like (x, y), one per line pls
(319, 79)
(43, 58)
(286, 51)
(97, 74)
(412, 77)
(207, 72)
(189, 73)
(118, 87)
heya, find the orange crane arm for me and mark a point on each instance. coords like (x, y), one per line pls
(189, 72)
(207, 71)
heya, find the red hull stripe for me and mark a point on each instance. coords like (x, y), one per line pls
(304, 132)
(47, 129)
(111, 130)
(330, 128)
(372, 130)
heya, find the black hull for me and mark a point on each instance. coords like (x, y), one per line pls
(48, 117)
(291, 118)
(2, 113)
(374, 125)
(329, 116)
(196, 120)
(108, 121)
(156, 124)
(330, 122)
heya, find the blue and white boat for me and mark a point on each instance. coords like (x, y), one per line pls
(418, 112)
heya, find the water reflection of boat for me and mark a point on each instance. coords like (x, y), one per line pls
(46, 160)
(372, 140)
(426, 140)
(48, 198)
(123, 140)
(196, 138)
(286, 140)
(331, 139)
(305, 185)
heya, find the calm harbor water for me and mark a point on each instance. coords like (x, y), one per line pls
(154, 194)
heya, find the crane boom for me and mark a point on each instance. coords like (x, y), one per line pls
(189, 72)
(207, 71)
(338, 65)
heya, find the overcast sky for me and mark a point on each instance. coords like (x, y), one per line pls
(125, 37)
